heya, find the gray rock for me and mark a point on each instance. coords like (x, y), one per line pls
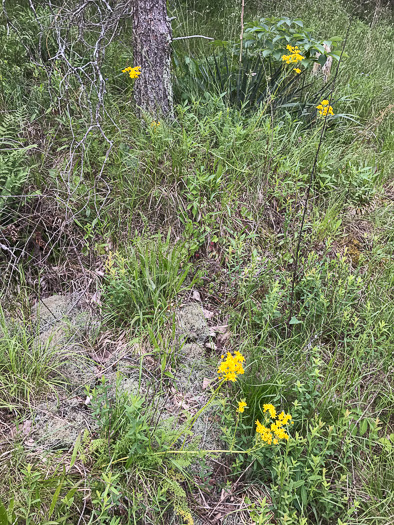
(57, 424)
(60, 320)
(79, 372)
(191, 323)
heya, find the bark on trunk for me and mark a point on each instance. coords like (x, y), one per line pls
(152, 38)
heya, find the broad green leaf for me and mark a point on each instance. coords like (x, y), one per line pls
(319, 47)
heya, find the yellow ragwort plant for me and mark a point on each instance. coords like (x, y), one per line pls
(270, 433)
(294, 56)
(134, 72)
(325, 108)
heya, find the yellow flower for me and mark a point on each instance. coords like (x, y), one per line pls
(270, 409)
(134, 72)
(297, 70)
(264, 433)
(324, 108)
(283, 419)
(294, 57)
(241, 406)
(275, 433)
(231, 366)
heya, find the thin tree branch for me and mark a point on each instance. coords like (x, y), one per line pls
(242, 30)
(192, 36)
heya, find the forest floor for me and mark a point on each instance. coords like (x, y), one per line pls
(135, 269)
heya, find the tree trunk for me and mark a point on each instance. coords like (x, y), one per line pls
(152, 52)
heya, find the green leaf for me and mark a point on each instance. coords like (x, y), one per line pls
(55, 498)
(363, 427)
(304, 496)
(3, 515)
(294, 320)
(320, 48)
(75, 451)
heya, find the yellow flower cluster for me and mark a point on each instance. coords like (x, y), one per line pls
(186, 516)
(325, 108)
(294, 56)
(241, 406)
(274, 432)
(134, 72)
(231, 366)
(297, 70)
(271, 410)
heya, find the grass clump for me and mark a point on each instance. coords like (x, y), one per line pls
(140, 285)
(28, 367)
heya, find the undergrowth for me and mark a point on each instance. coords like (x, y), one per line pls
(207, 207)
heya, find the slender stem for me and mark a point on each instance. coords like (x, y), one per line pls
(235, 431)
(216, 451)
(197, 415)
(192, 36)
(311, 180)
(242, 30)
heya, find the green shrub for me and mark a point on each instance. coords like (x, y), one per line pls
(257, 74)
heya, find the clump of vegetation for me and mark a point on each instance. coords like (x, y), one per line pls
(28, 368)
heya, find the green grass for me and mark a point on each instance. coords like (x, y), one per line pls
(28, 367)
(214, 200)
